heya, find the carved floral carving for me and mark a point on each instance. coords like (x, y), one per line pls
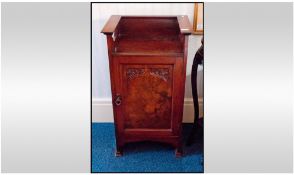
(134, 72)
(161, 73)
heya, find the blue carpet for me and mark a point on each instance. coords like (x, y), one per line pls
(142, 156)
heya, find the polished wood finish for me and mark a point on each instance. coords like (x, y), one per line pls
(111, 24)
(147, 60)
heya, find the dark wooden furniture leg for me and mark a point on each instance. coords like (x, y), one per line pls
(196, 104)
(197, 60)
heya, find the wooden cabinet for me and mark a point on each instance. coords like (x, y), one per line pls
(147, 59)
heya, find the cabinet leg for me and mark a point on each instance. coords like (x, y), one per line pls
(119, 152)
(179, 152)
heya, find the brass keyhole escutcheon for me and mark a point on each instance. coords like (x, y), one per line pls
(117, 100)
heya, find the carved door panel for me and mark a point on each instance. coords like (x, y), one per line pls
(147, 96)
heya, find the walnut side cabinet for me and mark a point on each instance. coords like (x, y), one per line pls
(147, 60)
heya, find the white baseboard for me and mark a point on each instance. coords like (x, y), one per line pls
(102, 110)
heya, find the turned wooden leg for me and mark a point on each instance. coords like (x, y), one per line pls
(192, 137)
(119, 151)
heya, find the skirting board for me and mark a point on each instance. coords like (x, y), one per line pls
(102, 110)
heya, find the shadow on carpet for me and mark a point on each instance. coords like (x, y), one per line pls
(142, 156)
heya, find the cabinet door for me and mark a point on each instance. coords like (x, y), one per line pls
(146, 86)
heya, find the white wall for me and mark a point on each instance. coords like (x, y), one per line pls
(101, 93)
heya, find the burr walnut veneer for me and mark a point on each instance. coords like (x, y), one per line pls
(147, 59)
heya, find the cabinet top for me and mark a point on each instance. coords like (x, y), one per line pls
(171, 25)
